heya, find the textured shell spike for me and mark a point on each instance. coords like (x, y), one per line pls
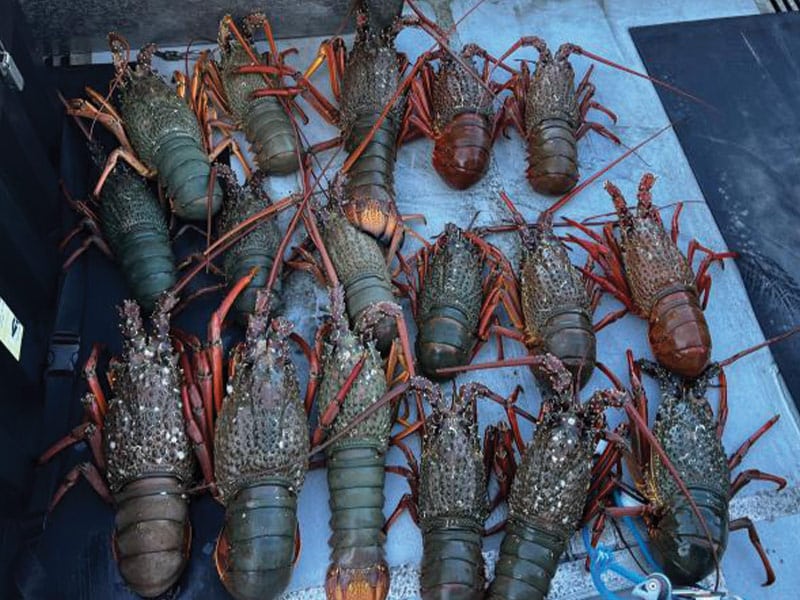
(251, 23)
(625, 216)
(120, 53)
(228, 179)
(592, 412)
(257, 325)
(559, 378)
(372, 316)
(132, 328)
(338, 313)
(144, 60)
(161, 316)
(644, 206)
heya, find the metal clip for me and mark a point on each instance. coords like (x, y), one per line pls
(658, 587)
(701, 594)
(62, 357)
(9, 70)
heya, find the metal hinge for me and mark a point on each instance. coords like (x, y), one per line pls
(62, 357)
(9, 71)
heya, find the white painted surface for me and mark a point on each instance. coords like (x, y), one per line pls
(755, 393)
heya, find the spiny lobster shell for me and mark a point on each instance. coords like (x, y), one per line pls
(166, 136)
(369, 82)
(261, 432)
(265, 121)
(342, 351)
(555, 303)
(662, 286)
(455, 91)
(552, 93)
(143, 433)
(452, 477)
(450, 303)
(685, 420)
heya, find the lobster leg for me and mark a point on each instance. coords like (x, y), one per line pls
(599, 128)
(334, 53)
(128, 157)
(419, 110)
(314, 372)
(90, 372)
(111, 121)
(745, 477)
(722, 412)
(88, 432)
(201, 444)
(91, 474)
(499, 458)
(737, 457)
(215, 332)
(95, 239)
(406, 503)
(531, 41)
(330, 413)
(745, 523)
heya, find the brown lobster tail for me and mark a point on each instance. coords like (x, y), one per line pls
(370, 186)
(443, 341)
(552, 157)
(461, 154)
(358, 569)
(569, 336)
(678, 333)
(255, 551)
(152, 535)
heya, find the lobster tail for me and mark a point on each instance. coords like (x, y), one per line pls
(678, 333)
(552, 157)
(369, 192)
(461, 153)
(152, 535)
(184, 171)
(680, 544)
(256, 548)
(569, 336)
(452, 564)
(148, 265)
(527, 563)
(272, 136)
(444, 340)
(358, 569)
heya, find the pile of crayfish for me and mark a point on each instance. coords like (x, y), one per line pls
(336, 323)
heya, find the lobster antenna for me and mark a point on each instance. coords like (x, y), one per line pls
(472, 221)
(589, 180)
(773, 340)
(433, 30)
(579, 50)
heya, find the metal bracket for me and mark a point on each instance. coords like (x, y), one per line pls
(62, 357)
(9, 71)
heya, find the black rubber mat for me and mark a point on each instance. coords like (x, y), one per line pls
(69, 554)
(745, 152)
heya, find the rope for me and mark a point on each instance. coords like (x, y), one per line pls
(601, 559)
